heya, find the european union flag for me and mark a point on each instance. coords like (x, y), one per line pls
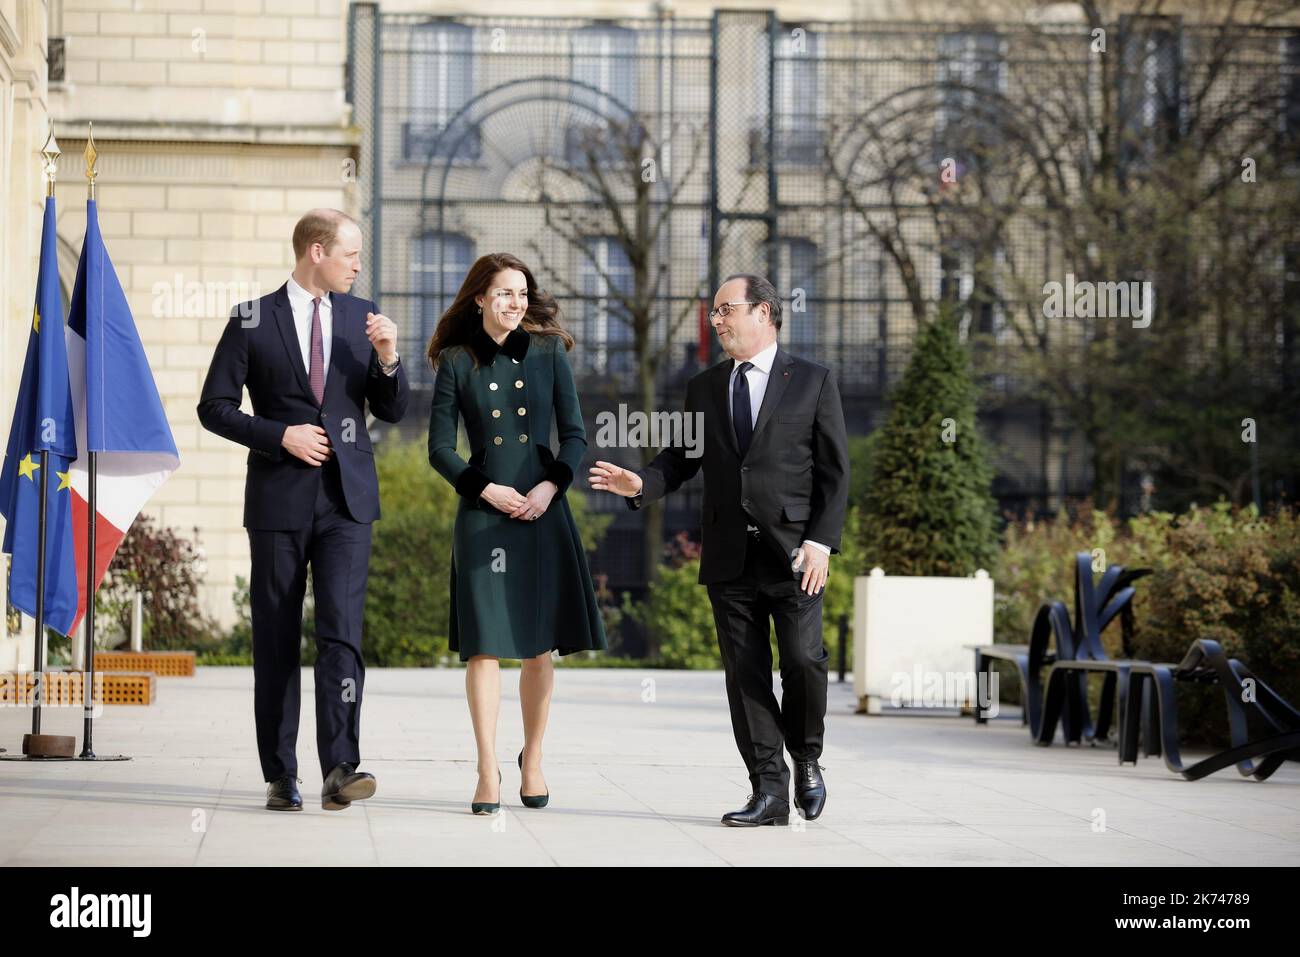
(43, 422)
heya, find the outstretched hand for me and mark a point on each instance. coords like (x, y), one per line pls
(608, 477)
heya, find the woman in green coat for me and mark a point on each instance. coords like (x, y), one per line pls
(520, 586)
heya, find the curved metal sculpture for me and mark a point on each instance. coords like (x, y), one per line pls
(1096, 605)
(1055, 638)
(1244, 695)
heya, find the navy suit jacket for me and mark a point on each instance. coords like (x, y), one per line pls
(259, 351)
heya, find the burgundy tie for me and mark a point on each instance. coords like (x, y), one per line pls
(316, 371)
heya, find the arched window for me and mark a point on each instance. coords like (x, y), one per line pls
(796, 282)
(1151, 88)
(441, 79)
(439, 264)
(970, 73)
(604, 57)
(797, 102)
(605, 272)
(969, 280)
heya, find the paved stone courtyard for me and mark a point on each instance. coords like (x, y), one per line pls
(633, 782)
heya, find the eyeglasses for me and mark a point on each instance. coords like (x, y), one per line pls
(725, 309)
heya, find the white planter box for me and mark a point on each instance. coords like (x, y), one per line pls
(910, 635)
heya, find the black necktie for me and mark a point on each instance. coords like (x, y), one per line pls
(740, 414)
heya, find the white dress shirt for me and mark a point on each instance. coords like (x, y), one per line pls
(300, 302)
(756, 378)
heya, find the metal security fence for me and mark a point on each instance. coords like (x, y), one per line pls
(516, 134)
(635, 162)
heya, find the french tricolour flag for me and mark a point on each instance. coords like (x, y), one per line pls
(118, 412)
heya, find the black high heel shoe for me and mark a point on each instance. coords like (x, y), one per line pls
(487, 807)
(531, 800)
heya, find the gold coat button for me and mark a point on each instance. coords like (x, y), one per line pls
(496, 413)
(521, 410)
(497, 440)
(519, 383)
(523, 438)
(492, 386)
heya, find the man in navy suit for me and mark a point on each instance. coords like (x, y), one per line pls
(312, 357)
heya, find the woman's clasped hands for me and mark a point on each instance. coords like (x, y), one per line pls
(523, 507)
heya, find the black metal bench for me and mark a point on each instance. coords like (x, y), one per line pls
(1030, 687)
(1151, 716)
(1055, 638)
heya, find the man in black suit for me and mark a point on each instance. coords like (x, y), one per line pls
(776, 480)
(311, 357)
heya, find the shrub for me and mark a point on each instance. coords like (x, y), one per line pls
(167, 570)
(928, 507)
(676, 613)
(410, 561)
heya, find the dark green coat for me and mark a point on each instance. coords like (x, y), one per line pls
(519, 587)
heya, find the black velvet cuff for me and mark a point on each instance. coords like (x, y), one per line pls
(472, 482)
(560, 474)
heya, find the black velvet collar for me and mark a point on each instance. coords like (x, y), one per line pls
(485, 349)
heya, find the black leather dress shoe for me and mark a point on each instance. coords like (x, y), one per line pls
(761, 809)
(345, 784)
(282, 794)
(809, 789)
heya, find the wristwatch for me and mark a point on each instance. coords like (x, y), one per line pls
(391, 367)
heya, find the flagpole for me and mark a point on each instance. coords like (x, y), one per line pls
(88, 684)
(50, 155)
(38, 746)
(88, 676)
(38, 656)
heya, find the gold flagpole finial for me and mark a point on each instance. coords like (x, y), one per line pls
(50, 154)
(91, 154)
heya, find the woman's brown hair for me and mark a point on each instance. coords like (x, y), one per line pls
(462, 318)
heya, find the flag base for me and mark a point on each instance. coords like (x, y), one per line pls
(56, 747)
(49, 745)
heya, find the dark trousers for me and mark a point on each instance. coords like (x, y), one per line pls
(338, 550)
(768, 589)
